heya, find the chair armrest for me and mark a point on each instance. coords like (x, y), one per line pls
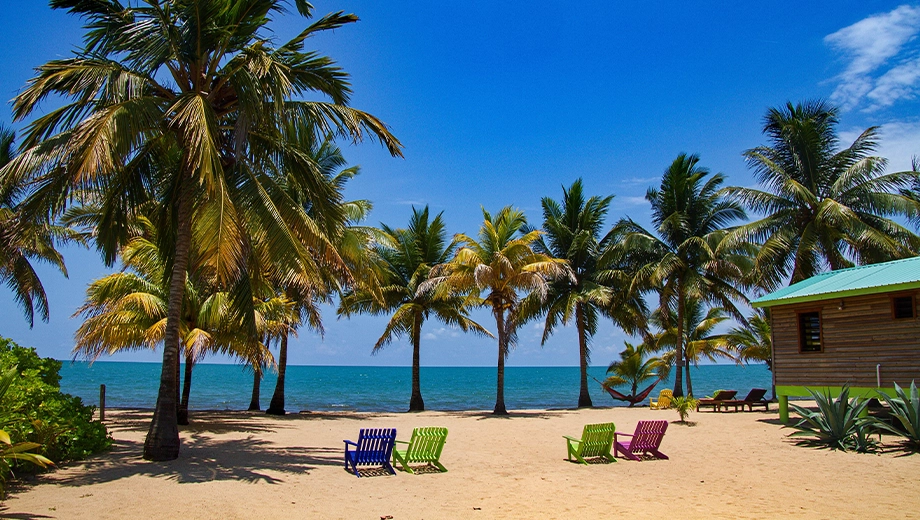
(350, 442)
(617, 434)
(401, 442)
(572, 438)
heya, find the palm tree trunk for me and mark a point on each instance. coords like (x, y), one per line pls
(416, 403)
(162, 442)
(502, 354)
(584, 397)
(689, 382)
(679, 347)
(276, 406)
(186, 389)
(254, 404)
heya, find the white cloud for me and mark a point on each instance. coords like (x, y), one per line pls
(883, 63)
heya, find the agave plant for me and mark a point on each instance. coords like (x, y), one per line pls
(906, 409)
(838, 423)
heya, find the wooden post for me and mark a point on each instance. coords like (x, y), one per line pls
(101, 402)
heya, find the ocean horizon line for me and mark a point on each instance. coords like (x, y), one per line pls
(383, 366)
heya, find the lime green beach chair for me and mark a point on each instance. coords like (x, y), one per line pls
(424, 447)
(596, 441)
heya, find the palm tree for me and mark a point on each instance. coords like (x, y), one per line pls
(188, 102)
(687, 259)
(572, 232)
(503, 265)
(635, 368)
(700, 340)
(823, 207)
(406, 257)
(22, 241)
(752, 342)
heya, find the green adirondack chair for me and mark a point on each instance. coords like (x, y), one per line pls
(595, 441)
(425, 446)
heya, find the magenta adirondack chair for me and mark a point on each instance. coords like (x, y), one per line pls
(646, 439)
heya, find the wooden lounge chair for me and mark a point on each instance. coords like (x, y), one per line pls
(596, 441)
(374, 448)
(754, 398)
(717, 400)
(645, 440)
(423, 448)
(663, 402)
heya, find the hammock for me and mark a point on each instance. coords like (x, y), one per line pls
(631, 399)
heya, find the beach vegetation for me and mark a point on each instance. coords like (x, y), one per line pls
(572, 232)
(496, 271)
(904, 408)
(838, 423)
(687, 258)
(406, 257)
(636, 367)
(12, 453)
(202, 89)
(823, 206)
(684, 405)
(35, 410)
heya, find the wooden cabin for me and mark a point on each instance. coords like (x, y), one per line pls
(857, 326)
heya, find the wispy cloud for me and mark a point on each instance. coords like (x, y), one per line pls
(883, 58)
(899, 143)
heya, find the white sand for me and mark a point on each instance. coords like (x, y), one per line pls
(252, 466)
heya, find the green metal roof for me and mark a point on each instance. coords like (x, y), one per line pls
(886, 277)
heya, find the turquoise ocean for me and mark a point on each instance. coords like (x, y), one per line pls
(376, 389)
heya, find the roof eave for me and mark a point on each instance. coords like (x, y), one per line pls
(906, 286)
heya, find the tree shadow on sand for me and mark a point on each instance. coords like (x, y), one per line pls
(202, 459)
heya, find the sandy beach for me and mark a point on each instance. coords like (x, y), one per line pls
(239, 465)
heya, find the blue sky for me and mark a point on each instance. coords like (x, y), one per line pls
(505, 104)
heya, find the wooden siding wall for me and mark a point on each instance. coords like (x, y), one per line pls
(854, 340)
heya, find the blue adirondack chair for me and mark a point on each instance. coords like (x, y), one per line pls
(374, 448)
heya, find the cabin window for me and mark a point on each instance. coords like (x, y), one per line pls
(810, 332)
(902, 307)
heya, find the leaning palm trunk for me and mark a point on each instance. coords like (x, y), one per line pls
(689, 381)
(276, 407)
(162, 442)
(502, 354)
(416, 403)
(254, 404)
(584, 397)
(679, 347)
(186, 388)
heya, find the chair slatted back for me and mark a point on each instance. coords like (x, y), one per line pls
(596, 439)
(648, 436)
(756, 394)
(426, 444)
(375, 445)
(724, 395)
(664, 398)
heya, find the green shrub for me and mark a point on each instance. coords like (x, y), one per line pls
(41, 413)
(906, 409)
(837, 423)
(684, 405)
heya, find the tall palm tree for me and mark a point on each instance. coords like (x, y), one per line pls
(406, 256)
(502, 264)
(700, 339)
(23, 241)
(688, 257)
(572, 232)
(823, 206)
(636, 367)
(198, 80)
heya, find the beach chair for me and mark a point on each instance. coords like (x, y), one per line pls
(754, 398)
(663, 402)
(596, 441)
(374, 448)
(717, 400)
(423, 448)
(645, 440)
